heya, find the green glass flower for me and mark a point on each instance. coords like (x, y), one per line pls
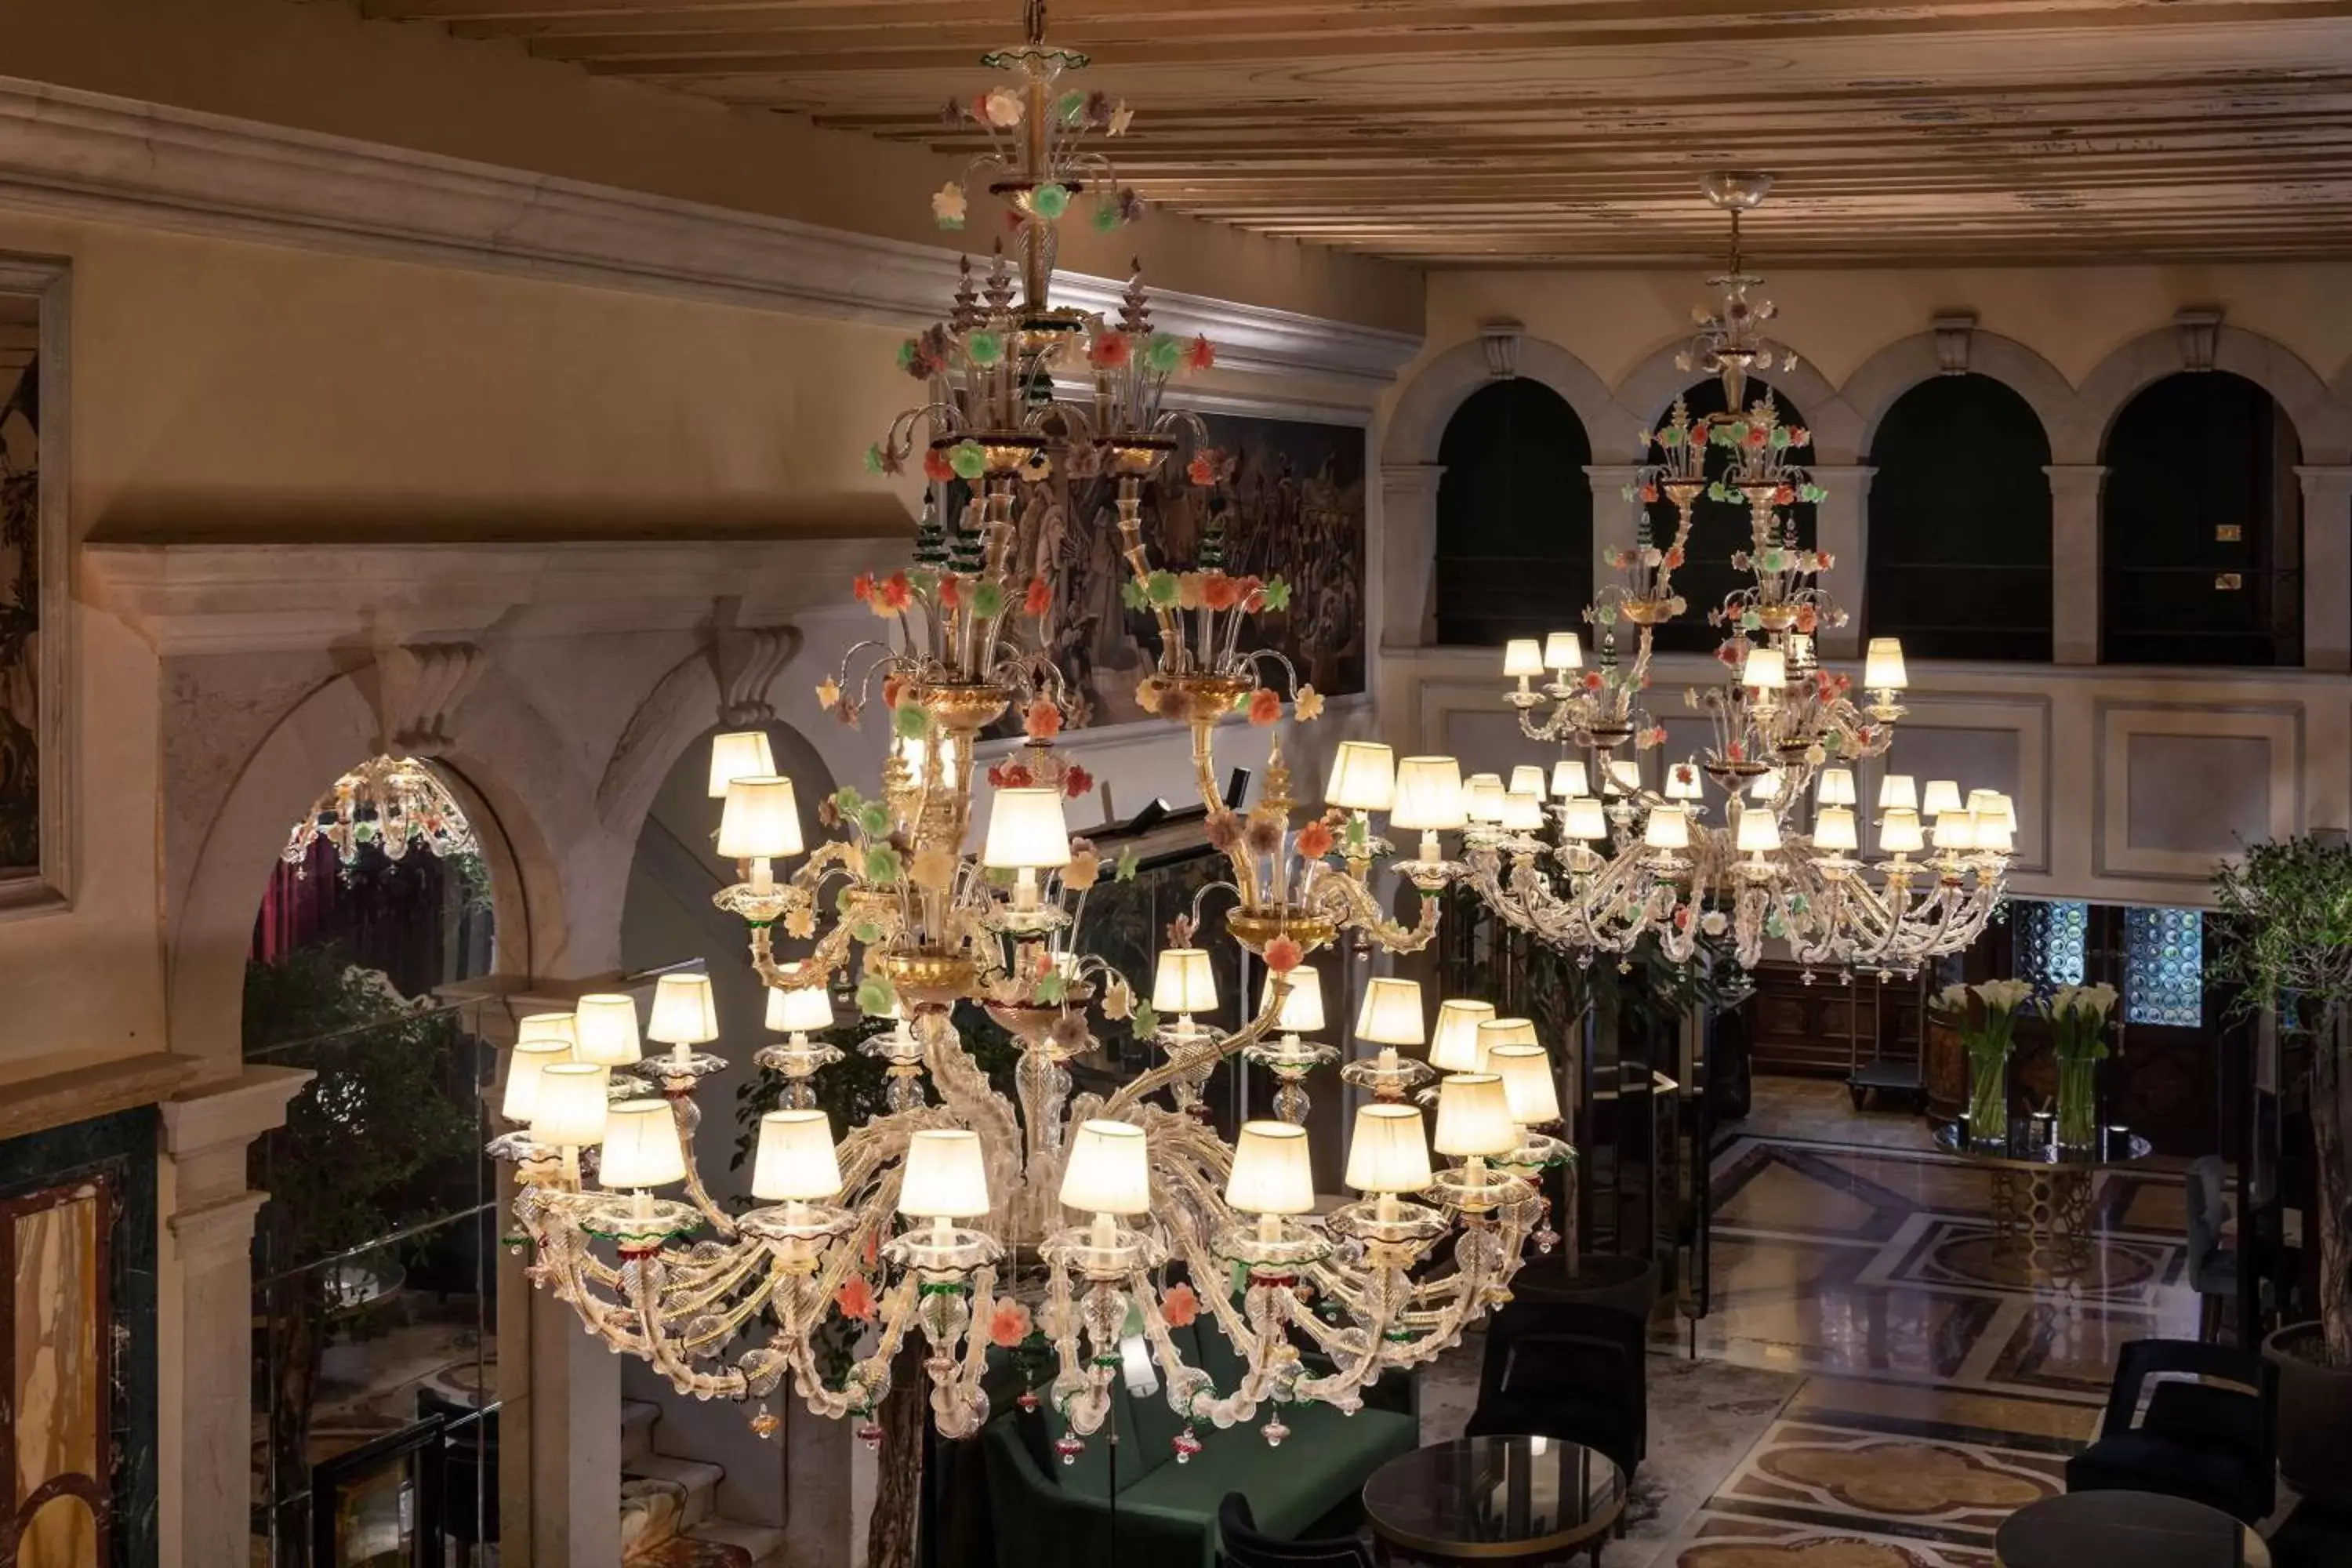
(874, 819)
(874, 459)
(847, 800)
(1105, 216)
(881, 864)
(1749, 620)
(867, 932)
(1161, 588)
(967, 459)
(988, 599)
(1277, 593)
(908, 720)
(1070, 106)
(1775, 560)
(1130, 594)
(875, 996)
(1049, 201)
(984, 348)
(1050, 988)
(1162, 353)
(906, 354)
(1129, 862)
(1147, 1019)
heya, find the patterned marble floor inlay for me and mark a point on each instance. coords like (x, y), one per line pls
(1947, 1381)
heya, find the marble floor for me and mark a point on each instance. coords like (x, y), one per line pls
(1942, 1384)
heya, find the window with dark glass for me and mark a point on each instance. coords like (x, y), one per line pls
(2201, 527)
(1960, 523)
(1514, 517)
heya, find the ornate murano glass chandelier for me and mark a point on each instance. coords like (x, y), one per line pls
(963, 1216)
(393, 803)
(1598, 854)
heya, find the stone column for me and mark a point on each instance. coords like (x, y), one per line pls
(2074, 491)
(204, 1317)
(1841, 527)
(1614, 521)
(559, 1386)
(2327, 566)
(1407, 554)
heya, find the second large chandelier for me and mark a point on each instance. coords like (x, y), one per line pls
(1592, 856)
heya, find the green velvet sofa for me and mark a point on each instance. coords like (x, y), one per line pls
(1046, 1513)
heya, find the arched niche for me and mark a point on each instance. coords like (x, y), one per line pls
(1887, 376)
(2201, 526)
(507, 769)
(2322, 421)
(1514, 553)
(1426, 404)
(1412, 433)
(1958, 555)
(1721, 529)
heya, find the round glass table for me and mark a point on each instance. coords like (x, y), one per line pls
(1494, 1499)
(2040, 1193)
(2141, 1530)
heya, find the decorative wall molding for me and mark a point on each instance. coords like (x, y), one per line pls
(82, 1092)
(204, 598)
(92, 155)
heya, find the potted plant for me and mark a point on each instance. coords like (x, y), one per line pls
(1989, 1045)
(2289, 904)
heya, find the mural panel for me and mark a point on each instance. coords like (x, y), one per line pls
(1292, 500)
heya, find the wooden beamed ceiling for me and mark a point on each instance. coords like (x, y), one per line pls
(1573, 131)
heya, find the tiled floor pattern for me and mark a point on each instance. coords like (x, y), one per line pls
(1946, 1384)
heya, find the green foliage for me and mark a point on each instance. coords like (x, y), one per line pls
(366, 1137)
(2288, 909)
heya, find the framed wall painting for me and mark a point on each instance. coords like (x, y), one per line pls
(36, 631)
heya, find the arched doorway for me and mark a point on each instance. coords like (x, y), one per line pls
(374, 1260)
(1513, 516)
(1718, 529)
(1960, 562)
(2200, 558)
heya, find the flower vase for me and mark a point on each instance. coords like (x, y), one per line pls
(2078, 1104)
(1989, 1097)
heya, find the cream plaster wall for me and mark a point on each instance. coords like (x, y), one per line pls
(229, 389)
(319, 67)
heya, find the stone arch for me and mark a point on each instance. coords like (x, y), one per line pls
(1649, 390)
(1417, 422)
(1407, 529)
(507, 766)
(1882, 380)
(2322, 421)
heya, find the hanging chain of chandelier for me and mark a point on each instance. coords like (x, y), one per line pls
(1040, 1222)
(1592, 858)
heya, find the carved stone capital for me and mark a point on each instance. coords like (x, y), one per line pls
(1502, 338)
(2200, 330)
(417, 690)
(1954, 333)
(747, 659)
